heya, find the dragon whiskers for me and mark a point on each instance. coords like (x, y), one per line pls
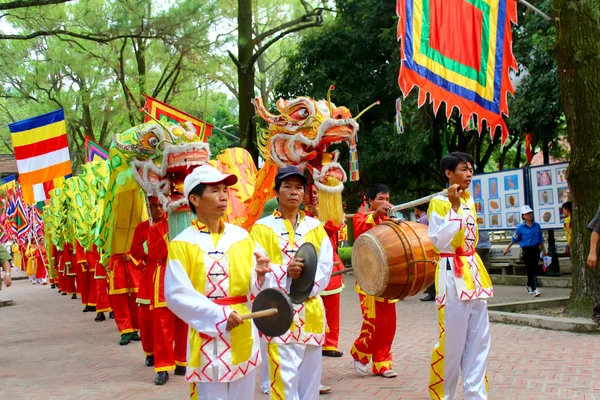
(367, 109)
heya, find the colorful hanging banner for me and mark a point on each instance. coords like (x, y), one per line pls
(459, 52)
(399, 123)
(158, 109)
(354, 173)
(94, 151)
(42, 154)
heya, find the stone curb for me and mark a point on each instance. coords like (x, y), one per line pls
(543, 281)
(6, 303)
(500, 313)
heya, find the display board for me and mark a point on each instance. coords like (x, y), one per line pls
(498, 197)
(549, 190)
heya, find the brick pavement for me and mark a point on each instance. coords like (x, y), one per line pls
(51, 350)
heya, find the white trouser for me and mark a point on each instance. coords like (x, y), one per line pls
(264, 366)
(464, 345)
(295, 371)
(241, 389)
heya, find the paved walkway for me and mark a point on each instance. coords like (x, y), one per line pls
(51, 350)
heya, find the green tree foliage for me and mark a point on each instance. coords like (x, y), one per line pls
(359, 54)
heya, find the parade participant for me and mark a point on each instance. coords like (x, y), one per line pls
(41, 271)
(138, 253)
(124, 283)
(295, 358)
(463, 285)
(209, 288)
(86, 284)
(529, 236)
(379, 314)
(100, 283)
(69, 270)
(31, 264)
(17, 256)
(170, 332)
(332, 293)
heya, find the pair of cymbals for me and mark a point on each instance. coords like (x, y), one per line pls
(272, 310)
(302, 286)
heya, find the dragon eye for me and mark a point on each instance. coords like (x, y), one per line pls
(300, 114)
(153, 141)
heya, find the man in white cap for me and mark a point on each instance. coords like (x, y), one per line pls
(529, 236)
(295, 358)
(210, 270)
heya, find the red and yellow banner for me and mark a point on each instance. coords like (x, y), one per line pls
(158, 109)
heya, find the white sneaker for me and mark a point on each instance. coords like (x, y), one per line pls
(361, 368)
(265, 389)
(536, 293)
(529, 291)
(389, 374)
(324, 389)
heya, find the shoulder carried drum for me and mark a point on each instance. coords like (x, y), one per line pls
(394, 260)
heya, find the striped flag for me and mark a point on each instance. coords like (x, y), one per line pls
(94, 151)
(42, 154)
(158, 109)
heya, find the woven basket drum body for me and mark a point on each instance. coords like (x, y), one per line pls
(394, 260)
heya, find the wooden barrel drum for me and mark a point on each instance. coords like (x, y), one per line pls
(394, 260)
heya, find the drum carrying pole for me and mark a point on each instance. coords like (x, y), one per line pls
(411, 204)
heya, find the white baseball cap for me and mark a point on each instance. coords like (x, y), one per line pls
(207, 175)
(526, 210)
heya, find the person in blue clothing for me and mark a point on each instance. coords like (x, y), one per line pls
(529, 236)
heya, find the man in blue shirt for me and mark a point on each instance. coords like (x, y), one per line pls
(529, 236)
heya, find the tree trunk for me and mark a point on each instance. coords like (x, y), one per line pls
(577, 54)
(245, 69)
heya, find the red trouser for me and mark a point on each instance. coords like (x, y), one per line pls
(61, 283)
(126, 312)
(147, 329)
(86, 286)
(102, 303)
(168, 329)
(69, 281)
(377, 333)
(332, 314)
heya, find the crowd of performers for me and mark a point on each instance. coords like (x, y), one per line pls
(183, 298)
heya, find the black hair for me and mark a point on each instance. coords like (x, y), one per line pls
(198, 191)
(422, 207)
(280, 181)
(451, 161)
(375, 189)
(567, 205)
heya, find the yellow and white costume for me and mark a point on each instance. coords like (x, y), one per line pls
(208, 277)
(463, 285)
(295, 359)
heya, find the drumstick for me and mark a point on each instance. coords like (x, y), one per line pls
(259, 314)
(342, 271)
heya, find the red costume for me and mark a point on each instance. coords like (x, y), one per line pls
(41, 271)
(139, 254)
(124, 284)
(170, 332)
(332, 293)
(85, 278)
(68, 272)
(100, 283)
(379, 315)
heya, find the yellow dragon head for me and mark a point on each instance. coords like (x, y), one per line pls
(301, 135)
